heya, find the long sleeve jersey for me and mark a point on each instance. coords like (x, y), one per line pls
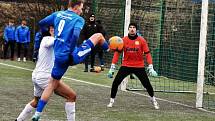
(46, 56)
(67, 26)
(9, 33)
(133, 51)
(22, 34)
(37, 40)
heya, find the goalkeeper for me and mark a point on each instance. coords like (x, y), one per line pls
(135, 47)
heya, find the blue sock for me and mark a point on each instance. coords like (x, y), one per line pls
(40, 106)
(105, 46)
(90, 43)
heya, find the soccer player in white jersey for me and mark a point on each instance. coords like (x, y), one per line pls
(41, 72)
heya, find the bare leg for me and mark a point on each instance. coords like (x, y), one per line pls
(70, 95)
(66, 92)
(97, 38)
(34, 102)
(53, 84)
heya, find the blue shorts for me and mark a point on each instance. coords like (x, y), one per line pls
(63, 61)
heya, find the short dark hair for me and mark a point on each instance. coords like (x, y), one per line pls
(11, 21)
(73, 3)
(47, 33)
(133, 24)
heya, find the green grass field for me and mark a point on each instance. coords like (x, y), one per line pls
(16, 90)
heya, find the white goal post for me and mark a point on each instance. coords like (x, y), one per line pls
(126, 24)
(202, 51)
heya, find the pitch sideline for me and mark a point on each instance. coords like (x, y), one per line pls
(160, 99)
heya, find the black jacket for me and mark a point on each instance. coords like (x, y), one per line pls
(89, 29)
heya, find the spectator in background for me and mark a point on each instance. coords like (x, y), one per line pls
(9, 39)
(88, 30)
(100, 51)
(23, 39)
(37, 41)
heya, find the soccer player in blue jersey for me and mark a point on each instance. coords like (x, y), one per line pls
(67, 25)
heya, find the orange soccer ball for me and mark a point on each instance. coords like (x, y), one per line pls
(116, 43)
(97, 69)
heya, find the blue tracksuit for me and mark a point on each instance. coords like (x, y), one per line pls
(22, 34)
(67, 26)
(9, 33)
(37, 40)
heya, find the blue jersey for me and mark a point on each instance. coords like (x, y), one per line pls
(37, 40)
(22, 34)
(9, 33)
(67, 26)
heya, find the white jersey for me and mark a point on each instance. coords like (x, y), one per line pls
(46, 56)
(44, 65)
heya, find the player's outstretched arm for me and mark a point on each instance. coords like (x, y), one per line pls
(148, 56)
(47, 21)
(150, 68)
(114, 61)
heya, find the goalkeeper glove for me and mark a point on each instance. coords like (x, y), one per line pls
(111, 71)
(151, 70)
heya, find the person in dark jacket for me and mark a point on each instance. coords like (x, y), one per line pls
(9, 39)
(90, 28)
(22, 36)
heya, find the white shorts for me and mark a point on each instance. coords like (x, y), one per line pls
(40, 82)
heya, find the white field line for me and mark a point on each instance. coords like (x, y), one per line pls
(100, 85)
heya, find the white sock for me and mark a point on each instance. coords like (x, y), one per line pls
(38, 113)
(25, 112)
(152, 98)
(111, 100)
(70, 111)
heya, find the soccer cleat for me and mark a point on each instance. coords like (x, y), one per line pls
(24, 59)
(85, 70)
(35, 117)
(110, 105)
(155, 104)
(18, 59)
(92, 70)
(102, 68)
